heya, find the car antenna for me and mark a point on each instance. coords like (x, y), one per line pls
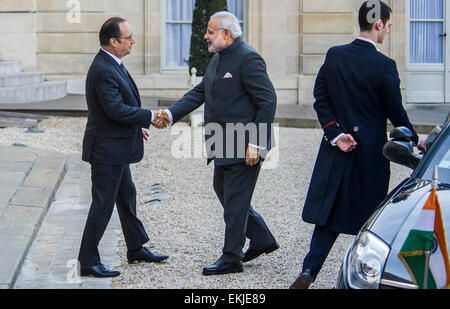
(435, 182)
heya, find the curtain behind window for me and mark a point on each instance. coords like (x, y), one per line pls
(426, 26)
(178, 31)
(179, 28)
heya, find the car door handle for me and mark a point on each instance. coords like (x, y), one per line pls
(443, 35)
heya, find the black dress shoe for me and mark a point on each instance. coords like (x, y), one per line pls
(251, 254)
(221, 267)
(304, 280)
(98, 271)
(144, 255)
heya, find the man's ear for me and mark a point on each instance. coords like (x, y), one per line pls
(378, 25)
(227, 33)
(112, 42)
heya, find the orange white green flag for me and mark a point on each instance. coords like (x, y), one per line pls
(427, 235)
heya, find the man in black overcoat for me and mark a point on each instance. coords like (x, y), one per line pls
(357, 89)
(112, 141)
(240, 104)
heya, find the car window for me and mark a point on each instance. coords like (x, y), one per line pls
(439, 156)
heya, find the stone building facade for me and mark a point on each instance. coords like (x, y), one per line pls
(60, 38)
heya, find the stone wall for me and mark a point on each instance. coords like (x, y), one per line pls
(292, 36)
(18, 32)
(66, 46)
(325, 24)
(274, 31)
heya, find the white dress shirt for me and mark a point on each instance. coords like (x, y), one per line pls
(119, 62)
(368, 40)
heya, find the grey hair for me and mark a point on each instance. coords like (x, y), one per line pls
(229, 22)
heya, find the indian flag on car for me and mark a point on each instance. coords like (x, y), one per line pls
(427, 235)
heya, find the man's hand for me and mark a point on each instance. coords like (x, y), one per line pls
(346, 143)
(161, 120)
(145, 135)
(252, 156)
(422, 147)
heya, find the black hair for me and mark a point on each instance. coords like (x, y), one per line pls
(366, 13)
(110, 29)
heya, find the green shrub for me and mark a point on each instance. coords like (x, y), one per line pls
(199, 54)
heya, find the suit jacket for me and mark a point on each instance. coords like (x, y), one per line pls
(237, 91)
(356, 91)
(113, 132)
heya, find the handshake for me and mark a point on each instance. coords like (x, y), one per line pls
(161, 119)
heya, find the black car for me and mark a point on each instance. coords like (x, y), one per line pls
(371, 261)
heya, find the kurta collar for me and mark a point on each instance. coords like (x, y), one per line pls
(230, 48)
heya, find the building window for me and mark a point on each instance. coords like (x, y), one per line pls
(426, 30)
(178, 30)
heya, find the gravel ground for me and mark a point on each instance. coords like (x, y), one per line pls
(189, 226)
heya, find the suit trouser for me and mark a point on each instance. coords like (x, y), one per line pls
(321, 243)
(111, 184)
(234, 186)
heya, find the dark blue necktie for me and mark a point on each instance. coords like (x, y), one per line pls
(124, 68)
(128, 76)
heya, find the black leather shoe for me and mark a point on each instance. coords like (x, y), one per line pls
(98, 271)
(251, 254)
(304, 280)
(144, 255)
(221, 267)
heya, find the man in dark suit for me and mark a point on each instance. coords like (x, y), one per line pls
(240, 104)
(113, 139)
(356, 91)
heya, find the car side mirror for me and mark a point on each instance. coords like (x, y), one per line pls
(401, 152)
(401, 134)
(400, 148)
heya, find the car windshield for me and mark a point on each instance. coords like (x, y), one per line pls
(440, 157)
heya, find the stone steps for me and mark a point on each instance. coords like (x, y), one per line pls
(46, 91)
(51, 262)
(23, 87)
(21, 79)
(30, 179)
(10, 67)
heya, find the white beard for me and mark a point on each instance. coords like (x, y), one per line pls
(216, 46)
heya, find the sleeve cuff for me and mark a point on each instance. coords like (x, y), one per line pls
(169, 113)
(334, 141)
(256, 146)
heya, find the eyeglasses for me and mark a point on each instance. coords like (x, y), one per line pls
(129, 38)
